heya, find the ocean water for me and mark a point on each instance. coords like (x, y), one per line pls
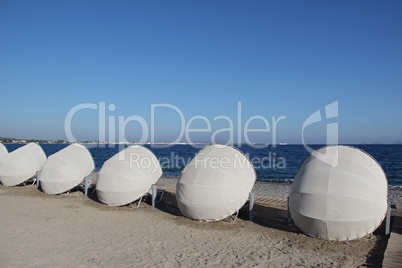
(278, 164)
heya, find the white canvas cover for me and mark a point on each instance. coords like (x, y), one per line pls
(3, 152)
(127, 176)
(66, 169)
(215, 184)
(21, 164)
(339, 193)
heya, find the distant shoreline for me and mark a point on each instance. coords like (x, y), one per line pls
(196, 143)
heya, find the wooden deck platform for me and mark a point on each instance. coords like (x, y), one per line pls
(270, 201)
(393, 253)
(258, 199)
(169, 189)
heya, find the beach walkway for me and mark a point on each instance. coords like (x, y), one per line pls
(393, 253)
(271, 201)
(258, 199)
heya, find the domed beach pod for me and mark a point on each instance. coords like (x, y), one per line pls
(127, 176)
(3, 152)
(215, 184)
(66, 169)
(21, 164)
(339, 193)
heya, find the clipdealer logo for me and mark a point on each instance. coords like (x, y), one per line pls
(242, 131)
(330, 112)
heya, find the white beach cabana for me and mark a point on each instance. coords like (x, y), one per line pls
(21, 164)
(66, 169)
(127, 176)
(3, 152)
(215, 184)
(339, 193)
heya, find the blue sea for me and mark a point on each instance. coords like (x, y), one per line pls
(273, 164)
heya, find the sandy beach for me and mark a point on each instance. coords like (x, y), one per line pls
(74, 230)
(137, 95)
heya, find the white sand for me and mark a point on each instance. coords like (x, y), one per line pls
(38, 230)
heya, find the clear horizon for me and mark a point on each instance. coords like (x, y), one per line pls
(278, 59)
(203, 143)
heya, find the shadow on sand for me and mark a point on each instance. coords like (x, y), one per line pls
(264, 215)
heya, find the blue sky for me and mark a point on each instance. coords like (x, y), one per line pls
(278, 58)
